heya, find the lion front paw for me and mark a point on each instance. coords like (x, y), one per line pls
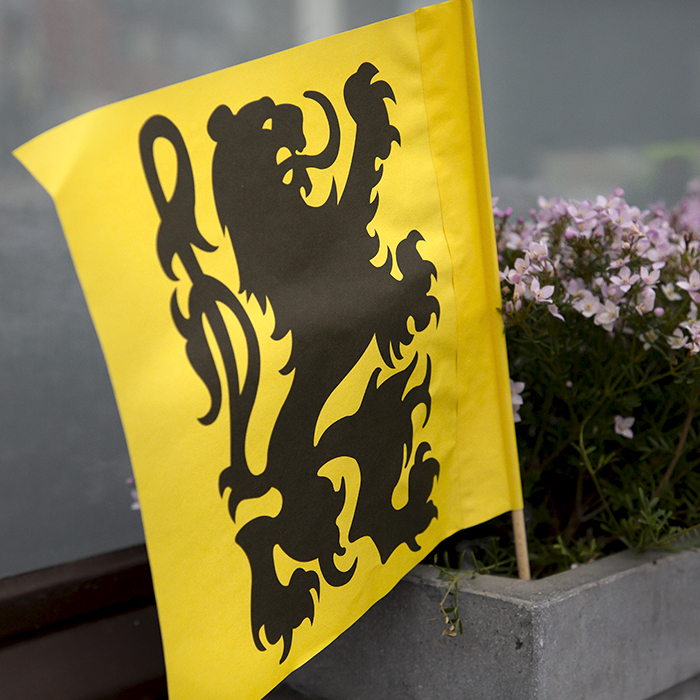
(365, 102)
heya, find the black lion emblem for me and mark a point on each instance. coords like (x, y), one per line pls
(313, 266)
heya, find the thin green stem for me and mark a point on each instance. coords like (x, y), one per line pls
(542, 428)
(591, 471)
(681, 443)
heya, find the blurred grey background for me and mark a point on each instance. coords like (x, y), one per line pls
(578, 98)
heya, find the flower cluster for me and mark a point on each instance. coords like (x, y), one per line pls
(628, 271)
(600, 305)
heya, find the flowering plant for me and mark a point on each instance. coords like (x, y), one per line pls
(600, 305)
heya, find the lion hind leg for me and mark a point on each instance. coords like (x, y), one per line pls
(381, 436)
(275, 608)
(395, 527)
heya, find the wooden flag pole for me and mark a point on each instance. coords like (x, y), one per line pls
(521, 553)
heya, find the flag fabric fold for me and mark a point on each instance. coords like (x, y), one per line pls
(291, 268)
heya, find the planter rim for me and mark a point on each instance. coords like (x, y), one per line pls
(552, 589)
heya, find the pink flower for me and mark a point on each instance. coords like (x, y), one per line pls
(671, 294)
(648, 338)
(607, 315)
(522, 267)
(538, 250)
(692, 286)
(625, 279)
(519, 291)
(574, 288)
(550, 210)
(619, 262)
(690, 214)
(693, 329)
(135, 503)
(552, 308)
(583, 219)
(621, 214)
(496, 211)
(645, 300)
(516, 389)
(623, 426)
(587, 304)
(677, 340)
(649, 277)
(544, 294)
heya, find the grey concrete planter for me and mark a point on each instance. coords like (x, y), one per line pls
(623, 628)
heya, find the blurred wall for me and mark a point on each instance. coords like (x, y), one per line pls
(581, 97)
(578, 98)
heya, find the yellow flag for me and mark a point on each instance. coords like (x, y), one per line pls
(291, 267)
